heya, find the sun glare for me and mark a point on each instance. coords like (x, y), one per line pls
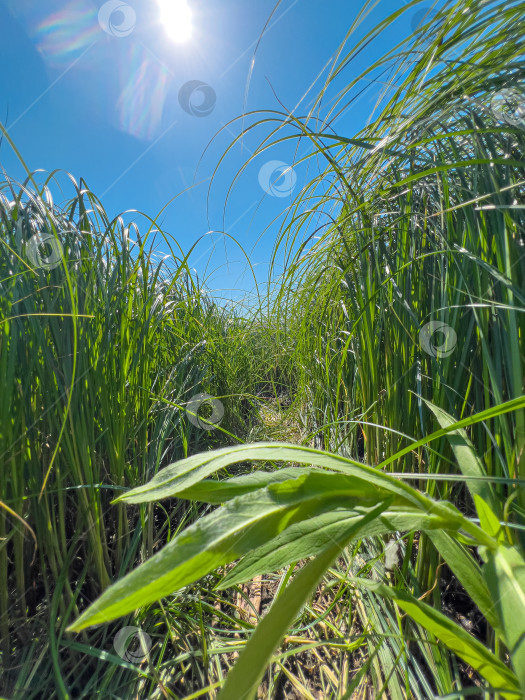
(176, 18)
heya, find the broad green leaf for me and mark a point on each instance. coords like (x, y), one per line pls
(229, 532)
(488, 519)
(217, 492)
(453, 636)
(243, 679)
(505, 576)
(468, 461)
(255, 518)
(309, 537)
(468, 572)
(184, 474)
(181, 475)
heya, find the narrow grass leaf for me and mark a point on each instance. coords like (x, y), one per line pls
(244, 678)
(468, 572)
(452, 636)
(505, 576)
(468, 461)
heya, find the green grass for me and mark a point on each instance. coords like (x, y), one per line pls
(101, 349)
(421, 218)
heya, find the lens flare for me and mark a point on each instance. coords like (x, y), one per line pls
(176, 17)
(144, 83)
(61, 31)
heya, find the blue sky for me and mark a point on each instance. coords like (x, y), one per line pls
(94, 89)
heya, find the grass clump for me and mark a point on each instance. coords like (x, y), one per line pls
(393, 350)
(104, 343)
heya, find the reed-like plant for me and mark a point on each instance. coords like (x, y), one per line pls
(407, 311)
(416, 289)
(398, 335)
(104, 339)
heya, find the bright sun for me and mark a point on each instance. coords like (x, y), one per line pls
(176, 18)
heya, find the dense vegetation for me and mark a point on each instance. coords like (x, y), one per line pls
(394, 338)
